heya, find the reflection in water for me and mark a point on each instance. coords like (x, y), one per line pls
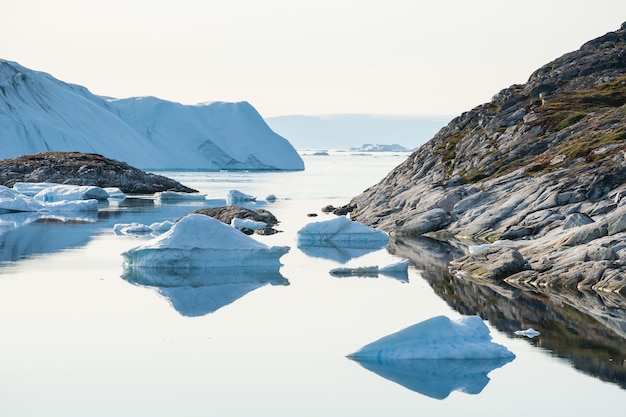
(335, 253)
(25, 234)
(198, 292)
(437, 378)
(586, 329)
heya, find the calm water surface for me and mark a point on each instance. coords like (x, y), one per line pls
(77, 339)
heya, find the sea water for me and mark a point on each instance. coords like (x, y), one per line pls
(80, 339)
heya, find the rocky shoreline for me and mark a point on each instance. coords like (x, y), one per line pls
(78, 168)
(541, 170)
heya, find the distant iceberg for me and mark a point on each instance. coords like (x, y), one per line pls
(198, 241)
(41, 113)
(341, 232)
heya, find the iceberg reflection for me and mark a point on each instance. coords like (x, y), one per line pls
(25, 234)
(197, 292)
(436, 378)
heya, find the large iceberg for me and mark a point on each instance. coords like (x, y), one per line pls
(341, 232)
(40, 113)
(437, 338)
(199, 241)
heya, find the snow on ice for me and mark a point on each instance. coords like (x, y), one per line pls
(199, 241)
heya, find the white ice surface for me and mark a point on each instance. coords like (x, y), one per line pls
(236, 196)
(238, 223)
(13, 201)
(40, 113)
(66, 192)
(436, 338)
(199, 241)
(341, 231)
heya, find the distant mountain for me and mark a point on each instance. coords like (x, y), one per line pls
(39, 113)
(344, 131)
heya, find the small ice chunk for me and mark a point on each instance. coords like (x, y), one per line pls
(172, 196)
(343, 232)
(115, 193)
(530, 333)
(131, 229)
(235, 196)
(161, 227)
(238, 223)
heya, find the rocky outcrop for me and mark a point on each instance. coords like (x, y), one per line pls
(542, 166)
(226, 214)
(84, 169)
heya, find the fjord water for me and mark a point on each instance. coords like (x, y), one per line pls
(79, 338)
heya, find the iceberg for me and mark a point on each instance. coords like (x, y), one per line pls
(12, 201)
(197, 241)
(65, 192)
(436, 356)
(41, 113)
(236, 196)
(175, 196)
(341, 232)
(437, 338)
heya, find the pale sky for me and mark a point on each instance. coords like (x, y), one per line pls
(295, 57)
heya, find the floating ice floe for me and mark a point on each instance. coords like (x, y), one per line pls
(437, 338)
(342, 232)
(175, 196)
(12, 201)
(235, 196)
(139, 229)
(199, 241)
(437, 356)
(530, 333)
(397, 270)
(66, 192)
(238, 223)
(115, 193)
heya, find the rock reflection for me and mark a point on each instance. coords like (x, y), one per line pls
(586, 329)
(198, 292)
(437, 378)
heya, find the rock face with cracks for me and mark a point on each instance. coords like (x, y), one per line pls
(541, 167)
